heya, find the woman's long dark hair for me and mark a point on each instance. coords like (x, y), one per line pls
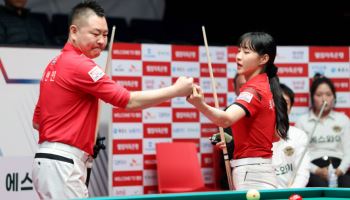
(263, 43)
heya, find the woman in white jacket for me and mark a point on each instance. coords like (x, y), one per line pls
(287, 153)
(331, 139)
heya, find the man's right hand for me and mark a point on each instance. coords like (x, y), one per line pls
(98, 146)
(183, 86)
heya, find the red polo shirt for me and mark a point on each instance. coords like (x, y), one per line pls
(254, 133)
(69, 90)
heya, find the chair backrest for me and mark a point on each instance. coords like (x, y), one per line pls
(178, 167)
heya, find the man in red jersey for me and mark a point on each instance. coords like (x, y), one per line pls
(65, 114)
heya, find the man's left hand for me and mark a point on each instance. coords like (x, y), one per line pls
(98, 146)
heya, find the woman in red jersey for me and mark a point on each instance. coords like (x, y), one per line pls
(258, 115)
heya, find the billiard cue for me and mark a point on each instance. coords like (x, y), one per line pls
(107, 70)
(222, 136)
(307, 143)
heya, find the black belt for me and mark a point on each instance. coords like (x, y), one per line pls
(54, 157)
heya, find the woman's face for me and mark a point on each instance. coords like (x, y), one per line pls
(323, 93)
(248, 61)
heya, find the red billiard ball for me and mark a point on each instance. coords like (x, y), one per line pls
(295, 197)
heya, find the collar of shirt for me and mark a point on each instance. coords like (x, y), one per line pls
(69, 47)
(313, 117)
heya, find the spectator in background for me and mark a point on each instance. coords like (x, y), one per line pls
(19, 27)
(331, 140)
(287, 153)
(238, 81)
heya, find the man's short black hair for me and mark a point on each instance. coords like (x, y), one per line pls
(84, 7)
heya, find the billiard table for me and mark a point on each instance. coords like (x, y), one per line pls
(277, 194)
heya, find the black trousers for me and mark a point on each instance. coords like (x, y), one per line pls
(317, 181)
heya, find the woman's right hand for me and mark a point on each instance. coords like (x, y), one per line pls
(221, 145)
(197, 96)
(322, 172)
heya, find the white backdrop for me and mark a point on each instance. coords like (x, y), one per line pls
(20, 72)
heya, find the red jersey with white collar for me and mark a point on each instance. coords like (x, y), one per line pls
(255, 132)
(69, 90)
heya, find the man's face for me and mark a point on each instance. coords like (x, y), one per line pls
(288, 101)
(16, 3)
(90, 36)
(240, 80)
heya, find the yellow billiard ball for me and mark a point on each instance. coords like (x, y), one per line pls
(253, 194)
